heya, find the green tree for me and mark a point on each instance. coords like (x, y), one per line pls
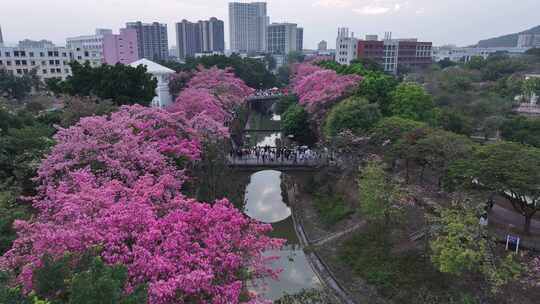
(84, 279)
(377, 87)
(354, 114)
(378, 195)
(454, 121)
(295, 121)
(391, 129)
(521, 129)
(120, 83)
(440, 148)
(531, 87)
(15, 87)
(411, 101)
(509, 169)
(461, 245)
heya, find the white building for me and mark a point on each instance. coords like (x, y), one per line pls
(89, 47)
(528, 40)
(464, 54)
(52, 62)
(346, 46)
(1, 37)
(248, 24)
(163, 97)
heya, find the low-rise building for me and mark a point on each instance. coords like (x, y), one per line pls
(89, 47)
(162, 74)
(464, 54)
(50, 62)
(393, 53)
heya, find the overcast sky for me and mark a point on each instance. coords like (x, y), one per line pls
(461, 22)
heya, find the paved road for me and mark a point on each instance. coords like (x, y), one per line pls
(503, 216)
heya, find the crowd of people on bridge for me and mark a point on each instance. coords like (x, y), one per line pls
(277, 155)
(268, 92)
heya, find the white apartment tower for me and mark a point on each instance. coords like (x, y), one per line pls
(248, 24)
(283, 38)
(1, 38)
(346, 46)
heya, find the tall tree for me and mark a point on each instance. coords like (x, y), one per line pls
(510, 169)
(354, 114)
(411, 101)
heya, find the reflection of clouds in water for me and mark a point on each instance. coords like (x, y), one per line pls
(263, 198)
(269, 140)
(296, 274)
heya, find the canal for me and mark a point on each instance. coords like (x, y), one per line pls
(265, 201)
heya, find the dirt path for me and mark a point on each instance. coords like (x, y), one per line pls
(339, 234)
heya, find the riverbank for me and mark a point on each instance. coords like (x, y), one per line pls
(322, 244)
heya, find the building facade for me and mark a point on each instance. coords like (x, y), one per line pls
(300, 39)
(212, 35)
(50, 62)
(282, 38)
(248, 24)
(162, 74)
(88, 47)
(206, 36)
(322, 46)
(188, 39)
(1, 37)
(120, 48)
(464, 54)
(36, 44)
(346, 46)
(528, 40)
(393, 53)
(152, 40)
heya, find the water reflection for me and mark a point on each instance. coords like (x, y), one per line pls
(263, 198)
(264, 202)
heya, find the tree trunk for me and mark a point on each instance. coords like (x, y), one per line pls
(527, 228)
(406, 171)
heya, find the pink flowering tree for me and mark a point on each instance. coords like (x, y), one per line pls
(230, 90)
(301, 70)
(129, 143)
(208, 102)
(319, 90)
(113, 182)
(183, 250)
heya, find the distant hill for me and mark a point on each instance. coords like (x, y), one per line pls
(507, 40)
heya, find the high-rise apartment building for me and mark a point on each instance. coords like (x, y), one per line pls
(346, 46)
(212, 35)
(205, 36)
(188, 39)
(120, 48)
(322, 46)
(282, 38)
(152, 40)
(248, 24)
(299, 39)
(1, 37)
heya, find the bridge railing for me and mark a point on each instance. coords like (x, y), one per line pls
(274, 160)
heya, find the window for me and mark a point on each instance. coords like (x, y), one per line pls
(24, 62)
(32, 62)
(8, 62)
(19, 71)
(64, 54)
(52, 71)
(50, 53)
(41, 54)
(17, 62)
(44, 63)
(44, 71)
(58, 71)
(8, 54)
(57, 62)
(31, 54)
(51, 62)
(1, 62)
(23, 54)
(86, 54)
(15, 53)
(25, 71)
